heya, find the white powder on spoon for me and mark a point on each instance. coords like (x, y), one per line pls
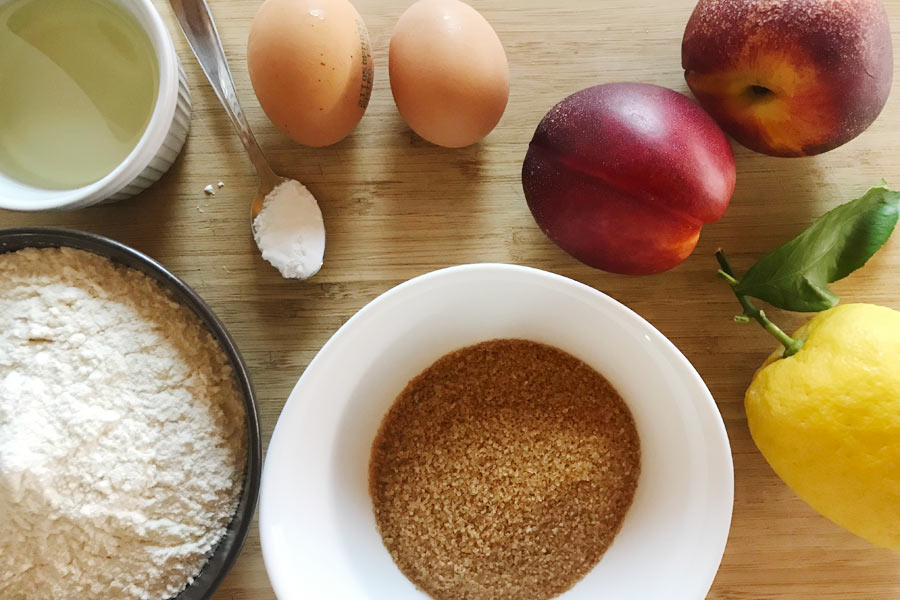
(290, 232)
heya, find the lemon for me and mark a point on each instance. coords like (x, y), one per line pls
(827, 419)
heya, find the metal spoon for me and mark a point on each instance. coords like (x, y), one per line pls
(200, 30)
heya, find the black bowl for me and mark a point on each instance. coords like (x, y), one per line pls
(226, 552)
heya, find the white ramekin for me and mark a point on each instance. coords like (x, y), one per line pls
(154, 153)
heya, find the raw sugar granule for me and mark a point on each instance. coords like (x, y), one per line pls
(503, 471)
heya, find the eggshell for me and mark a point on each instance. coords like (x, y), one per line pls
(449, 73)
(311, 67)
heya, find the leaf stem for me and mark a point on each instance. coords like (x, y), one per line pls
(791, 345)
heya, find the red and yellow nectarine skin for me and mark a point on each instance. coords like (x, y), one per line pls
(789, 77)
(622, 176)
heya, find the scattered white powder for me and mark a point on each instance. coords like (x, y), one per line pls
(289, 231)
(122, 437)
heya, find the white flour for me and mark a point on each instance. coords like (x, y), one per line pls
(121, 433)
(289, 231)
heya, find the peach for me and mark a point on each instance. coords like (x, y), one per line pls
(622, 176)
(789, 78)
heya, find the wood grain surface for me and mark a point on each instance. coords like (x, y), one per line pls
(396, 207)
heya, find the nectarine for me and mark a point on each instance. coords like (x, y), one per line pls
(623, 175)
(789, 78)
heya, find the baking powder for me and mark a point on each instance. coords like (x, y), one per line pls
(289, 231)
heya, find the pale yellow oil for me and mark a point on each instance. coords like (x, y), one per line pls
(78, 83)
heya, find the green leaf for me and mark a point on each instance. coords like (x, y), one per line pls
(795, 276)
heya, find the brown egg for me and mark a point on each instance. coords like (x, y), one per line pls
(449, 74)
(311, 67)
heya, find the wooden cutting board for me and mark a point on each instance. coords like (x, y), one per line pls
(397, 207)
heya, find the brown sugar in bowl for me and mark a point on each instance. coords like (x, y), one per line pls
(318, 530)
(505, 469)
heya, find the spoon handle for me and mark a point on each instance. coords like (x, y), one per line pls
(200, 30)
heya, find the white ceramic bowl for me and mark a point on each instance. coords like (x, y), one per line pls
(155, 152)
(316, 523)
